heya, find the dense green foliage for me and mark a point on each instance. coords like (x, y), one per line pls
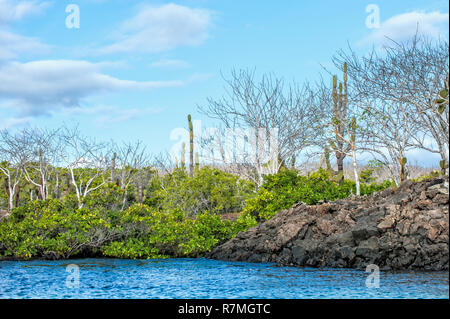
(432, 174)
(154, 234)
(54, 229)
(58, 229)
(181, 218)
(282, 190)
(209, 190)
(181, 215)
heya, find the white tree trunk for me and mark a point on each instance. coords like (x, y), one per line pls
(355, 172)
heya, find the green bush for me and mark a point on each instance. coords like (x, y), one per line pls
(109, 196)
(181, 216)
(53, 229)
(286, 188)
(432, 174)
(152, 234)
(210, 190)
(366, 175)
(57, 229)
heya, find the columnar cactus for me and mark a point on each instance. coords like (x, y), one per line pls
(113, 168)
(183, 155)
(442, 100)
(403, 174)
(443, 164)
(197, 163)
(69, 182)
(340, 103)
(293, 158)
(335, 96)
(442, 103)
(191, 146)
(327, 159)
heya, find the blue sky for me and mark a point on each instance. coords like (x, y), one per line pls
(135, 69)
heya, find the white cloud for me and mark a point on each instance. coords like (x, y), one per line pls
(7, 123)
(116, 115)
(11, 10)
(36, 88)
(404, 26)
(104, 114)
(157, 29)
(165, 63)
(11, 45)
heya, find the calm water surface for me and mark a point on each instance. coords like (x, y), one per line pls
(202, 278)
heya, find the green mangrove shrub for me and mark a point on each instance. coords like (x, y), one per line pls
(286, 188)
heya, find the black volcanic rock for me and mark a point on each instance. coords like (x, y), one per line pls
(406, 228)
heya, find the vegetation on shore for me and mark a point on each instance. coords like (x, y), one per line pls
(68, 195)
(183, 219)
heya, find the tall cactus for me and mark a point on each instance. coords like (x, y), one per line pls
(326, 153)
(352, 142)
(56, 190)
(69, 183)
(443, 166)
(113, 168)
(442, 100)
(293, 158)
(340, 105)
(191, 146)
(345, 97)
(403, 173)
(183, 155)
(442, 103)
(197, 163)
(335, 97)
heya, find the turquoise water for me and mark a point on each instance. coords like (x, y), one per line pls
(202, 278)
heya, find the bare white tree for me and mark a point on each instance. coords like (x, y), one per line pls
(263, 113)
(41, 146)
(347, 134)
(13, 158)
(131, 158)
(389, 134)
(409, 78)
(87, 160)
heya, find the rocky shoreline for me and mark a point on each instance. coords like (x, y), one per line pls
(405, 228)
